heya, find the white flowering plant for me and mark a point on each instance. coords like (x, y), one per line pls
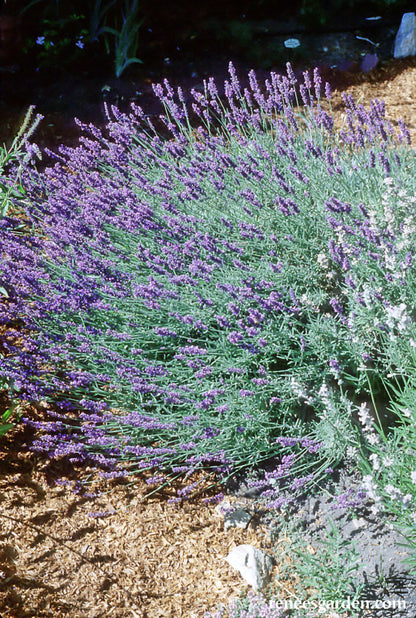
(389, 463)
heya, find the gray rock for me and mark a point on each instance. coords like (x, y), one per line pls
(369, 62)
(405, 42)
(236, 519)
(253, 565)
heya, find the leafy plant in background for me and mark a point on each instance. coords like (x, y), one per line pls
(16, 156)
(60, 35)
(97, 18)
(126, 37)
(57, 46)
(68, 30)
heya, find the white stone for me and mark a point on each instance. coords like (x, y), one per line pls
(405, 42)
(253, 565)
(292, 43)
(359, 523)
(236, 519)
(223, 508)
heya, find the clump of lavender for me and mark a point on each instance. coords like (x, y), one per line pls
(192, 294)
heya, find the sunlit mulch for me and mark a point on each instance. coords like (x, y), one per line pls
(109, 552)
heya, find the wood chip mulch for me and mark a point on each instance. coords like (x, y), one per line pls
(109, 550)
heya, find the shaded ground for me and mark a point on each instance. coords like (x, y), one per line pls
(140, 557)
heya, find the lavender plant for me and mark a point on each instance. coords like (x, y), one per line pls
(330, 571)
(215, 291)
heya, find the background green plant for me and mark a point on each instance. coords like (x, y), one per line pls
(14, 157)
(7, 416)
(126, 36)
(66, 31)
